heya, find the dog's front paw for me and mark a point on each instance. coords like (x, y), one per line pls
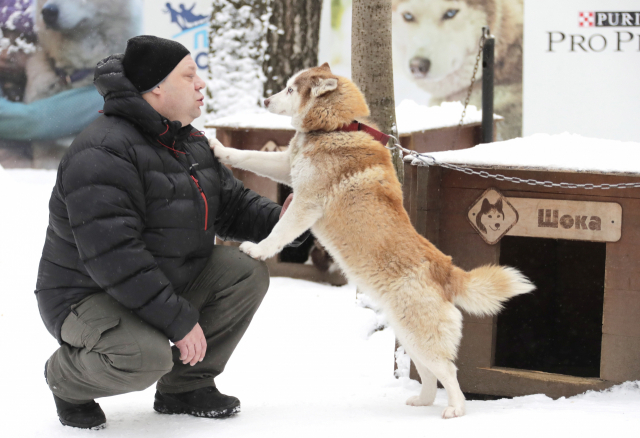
(452, 412)
(416, 401)
(221, 152)
(257, 251)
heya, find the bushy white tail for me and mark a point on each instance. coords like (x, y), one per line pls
(487, 287)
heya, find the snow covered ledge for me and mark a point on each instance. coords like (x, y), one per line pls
(553, 153)
(411, 118)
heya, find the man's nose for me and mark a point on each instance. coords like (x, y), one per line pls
(200, 84)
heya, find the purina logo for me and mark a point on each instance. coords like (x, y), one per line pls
(609, 19)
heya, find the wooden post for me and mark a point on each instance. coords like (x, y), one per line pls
(371, 65)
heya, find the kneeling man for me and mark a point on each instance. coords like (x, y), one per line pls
(129, 261)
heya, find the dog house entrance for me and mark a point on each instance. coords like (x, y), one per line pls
(558, 327)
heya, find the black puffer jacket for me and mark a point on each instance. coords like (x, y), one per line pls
(132, 217)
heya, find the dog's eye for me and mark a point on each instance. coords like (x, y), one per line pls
(450, 14)
(289, 90)
(490, 216)
(408, 17)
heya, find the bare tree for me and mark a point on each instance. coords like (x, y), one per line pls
(371, 65)
(292, 41)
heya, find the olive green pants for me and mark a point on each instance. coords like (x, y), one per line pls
(109, 350)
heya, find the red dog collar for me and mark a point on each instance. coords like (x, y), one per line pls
(357, 126)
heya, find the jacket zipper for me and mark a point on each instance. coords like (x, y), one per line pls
(206, 205)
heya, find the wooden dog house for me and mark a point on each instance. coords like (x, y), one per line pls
(425, 129)
(580, 330)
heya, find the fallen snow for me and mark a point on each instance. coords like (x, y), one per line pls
(307, 367)
(562, 152)
(410, 117)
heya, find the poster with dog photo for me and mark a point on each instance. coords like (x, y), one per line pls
(49, 50)
(435, 44)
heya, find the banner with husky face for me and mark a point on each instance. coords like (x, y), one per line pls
(559, 65)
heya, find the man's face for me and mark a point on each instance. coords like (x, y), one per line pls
(179, 95)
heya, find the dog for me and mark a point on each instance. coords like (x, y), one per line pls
(436, 43)
(73, 36)
(490, 215)
(346, 190)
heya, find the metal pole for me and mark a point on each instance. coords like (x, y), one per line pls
(487, 86)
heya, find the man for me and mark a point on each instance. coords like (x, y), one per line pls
(129, 262)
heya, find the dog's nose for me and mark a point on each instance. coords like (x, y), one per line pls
(497, 226)
(419, 66)
(50, 15)
(266, 103)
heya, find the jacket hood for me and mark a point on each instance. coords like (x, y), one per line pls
(122, 99)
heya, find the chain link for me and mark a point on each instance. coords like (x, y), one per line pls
(485, 35)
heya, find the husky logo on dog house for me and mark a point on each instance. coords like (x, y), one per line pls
(492, 215)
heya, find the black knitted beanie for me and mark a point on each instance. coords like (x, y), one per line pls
(149, 59)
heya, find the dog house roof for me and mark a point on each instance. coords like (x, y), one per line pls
(553, 153)
(410, 116)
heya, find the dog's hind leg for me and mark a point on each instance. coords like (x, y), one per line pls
(445, 371)
(429, 387)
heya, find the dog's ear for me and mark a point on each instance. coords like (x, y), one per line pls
(498, 206)
(486, 206)
(324, 85)
(325, 67)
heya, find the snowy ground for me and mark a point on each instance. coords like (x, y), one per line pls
(305, 368)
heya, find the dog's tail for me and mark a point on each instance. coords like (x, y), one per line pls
(483, 290)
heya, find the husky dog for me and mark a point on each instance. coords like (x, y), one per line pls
(346, 190)
(73, 35)
(436, 43)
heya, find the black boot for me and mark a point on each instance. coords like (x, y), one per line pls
(85, 416)
(203, 402)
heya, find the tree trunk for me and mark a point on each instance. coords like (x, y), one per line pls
(371, 65)
(292, 41)
(236, 54)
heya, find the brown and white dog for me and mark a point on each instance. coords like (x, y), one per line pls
(436, 44)
(346, 190)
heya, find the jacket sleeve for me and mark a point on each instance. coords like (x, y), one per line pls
(106, 206)
(243, 214)
(64, 114)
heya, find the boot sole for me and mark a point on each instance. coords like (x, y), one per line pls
(79, 426)
(165, 405)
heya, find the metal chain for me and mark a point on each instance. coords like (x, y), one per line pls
(422, 159)
(484, 36)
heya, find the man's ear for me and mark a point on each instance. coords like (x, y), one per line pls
(324, 86)
(326, 67)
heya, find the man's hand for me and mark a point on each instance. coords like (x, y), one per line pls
(286, 205)
(192, 347)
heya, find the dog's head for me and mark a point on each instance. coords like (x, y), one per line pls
(67, 16)
(316, 99)
(436, 41)
(490, 215)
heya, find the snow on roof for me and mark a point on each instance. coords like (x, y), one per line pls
(562, 152)
(410, 116)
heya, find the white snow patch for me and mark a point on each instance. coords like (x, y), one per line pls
(562, 152)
